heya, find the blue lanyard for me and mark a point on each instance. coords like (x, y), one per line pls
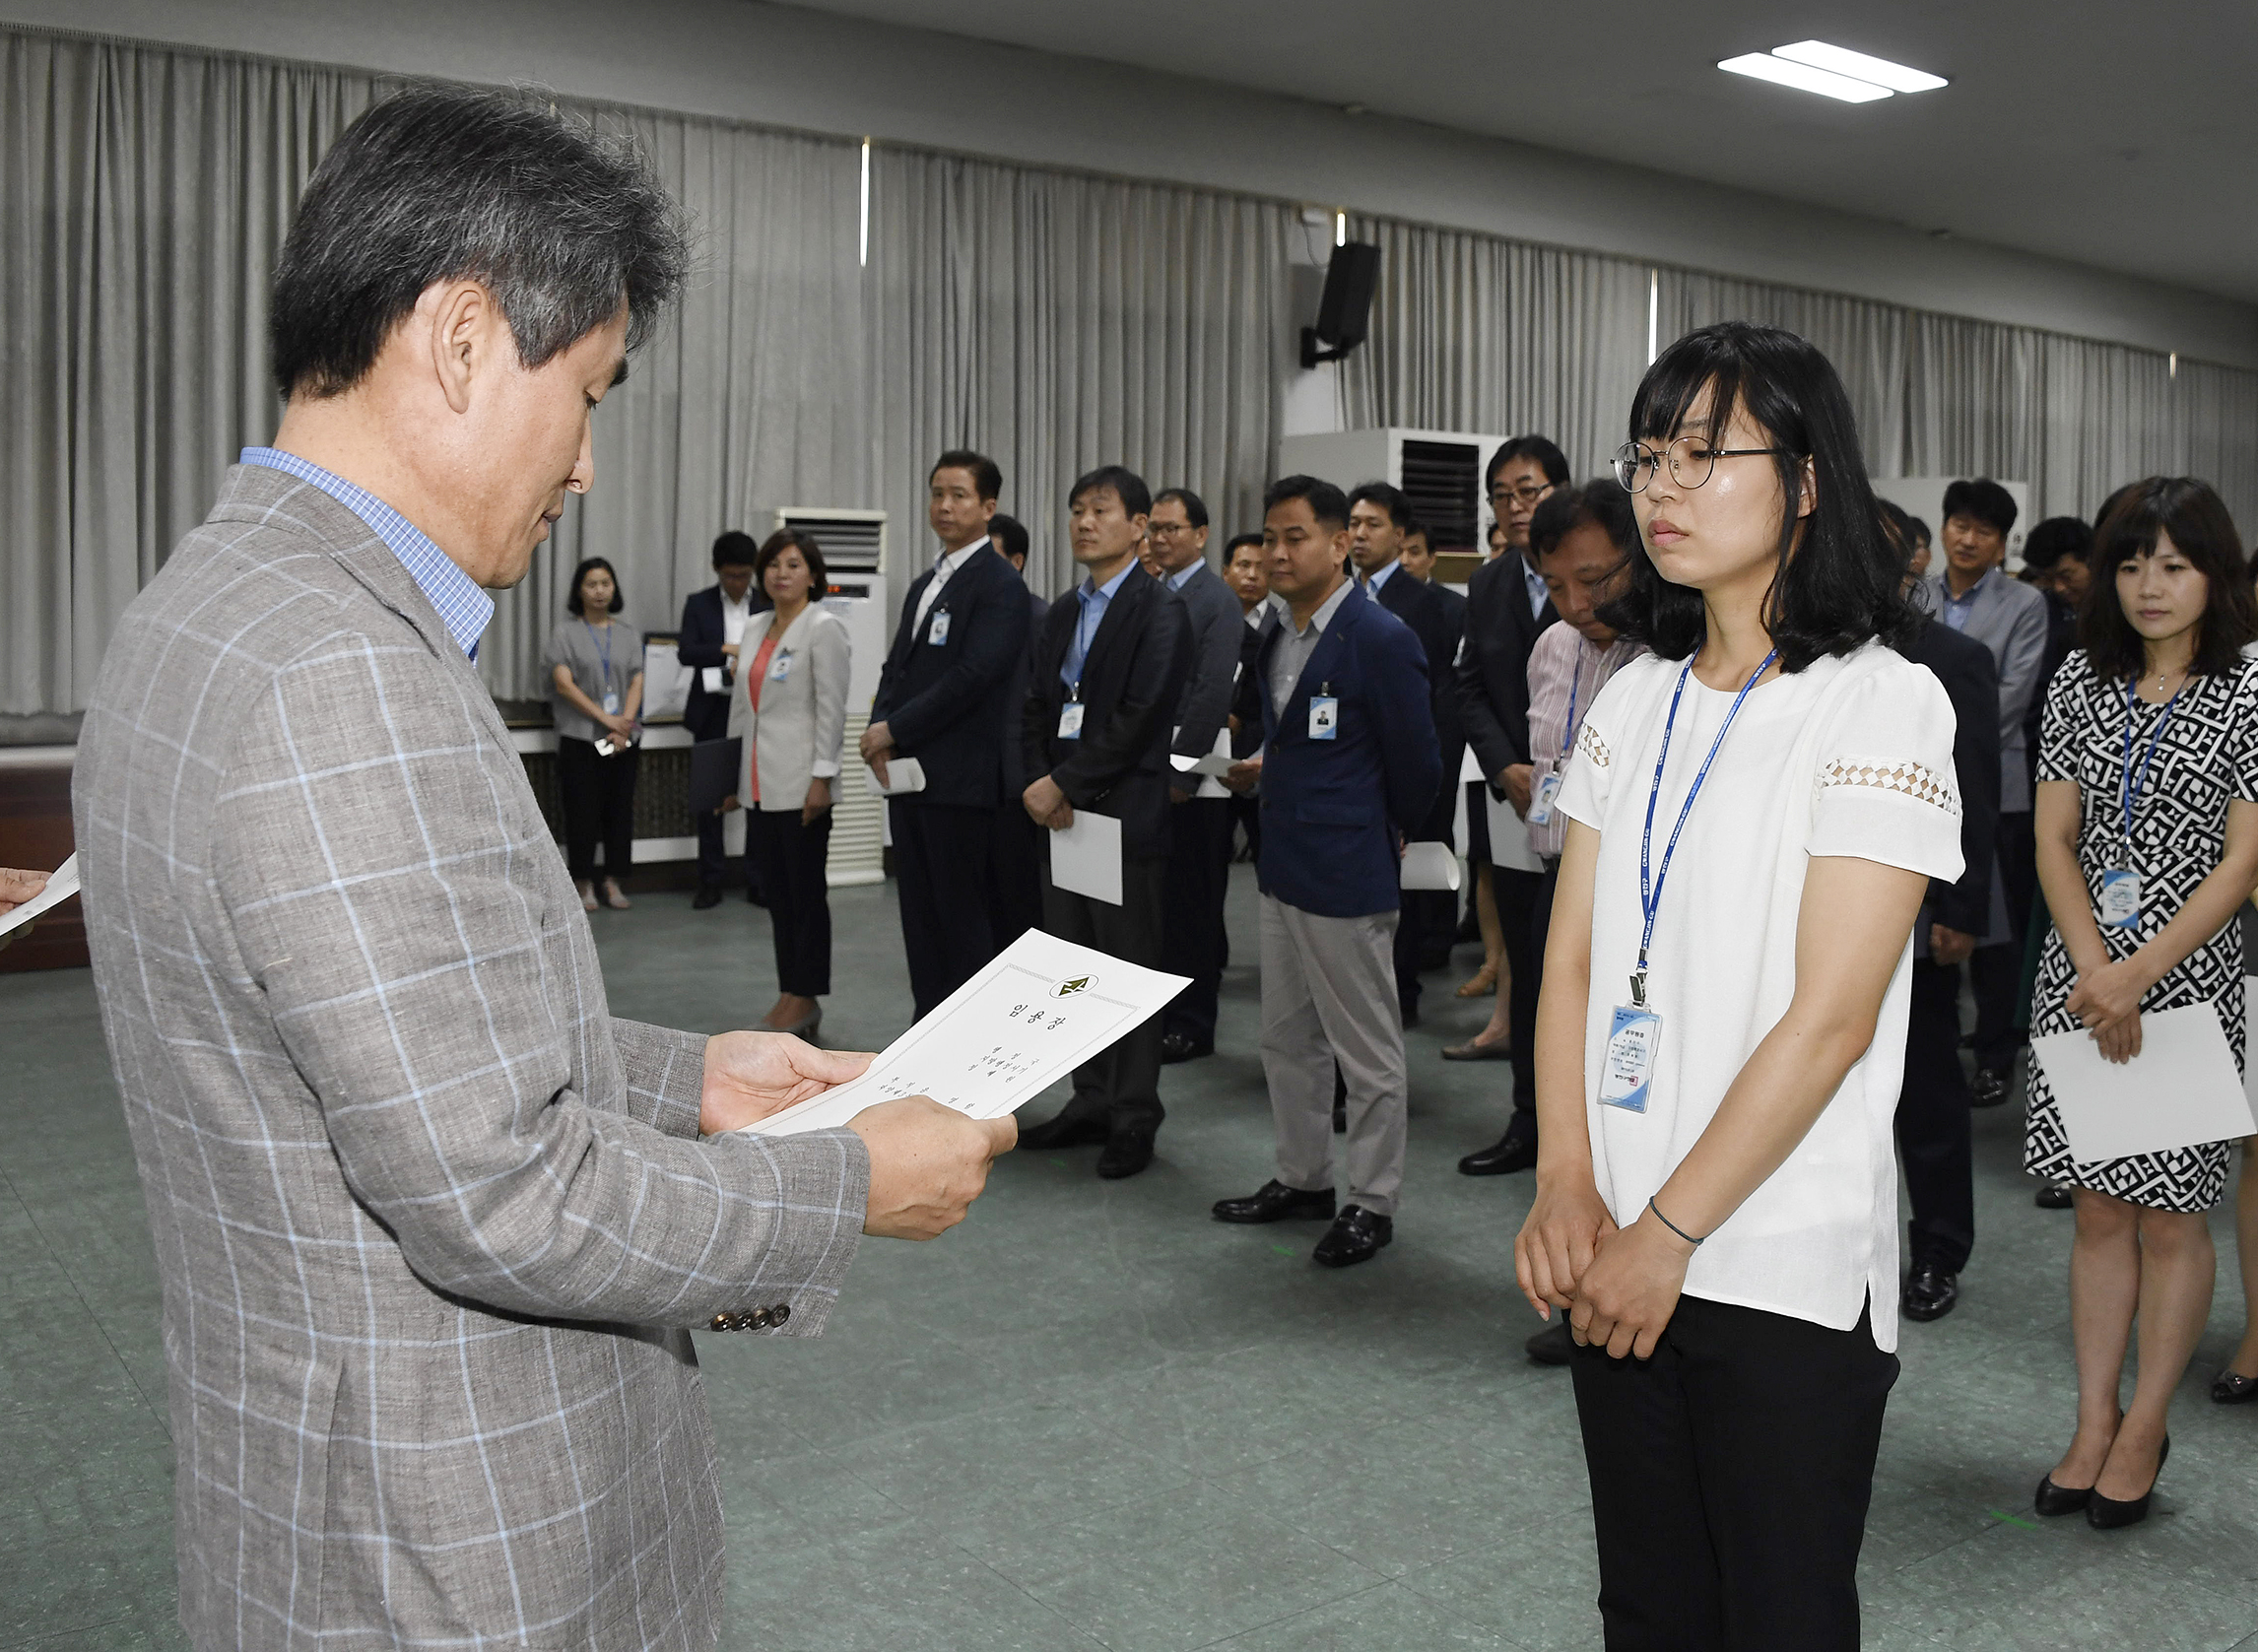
(1650, 889)
(2129, 789)
(604, 643)
(1575, 687)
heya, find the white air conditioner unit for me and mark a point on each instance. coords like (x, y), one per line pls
(851, 540)
(1440, 470)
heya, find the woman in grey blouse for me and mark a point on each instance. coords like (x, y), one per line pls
(596, 696)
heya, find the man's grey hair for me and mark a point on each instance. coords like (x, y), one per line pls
(561, 222)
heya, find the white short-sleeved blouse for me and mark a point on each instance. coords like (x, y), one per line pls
(1848, 757)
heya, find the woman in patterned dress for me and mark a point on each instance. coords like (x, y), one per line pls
(2160, 677)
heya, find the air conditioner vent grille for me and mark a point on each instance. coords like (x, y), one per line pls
(1443, 481)
(852, 541)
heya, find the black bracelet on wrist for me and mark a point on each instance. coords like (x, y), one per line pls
(1673, 1227)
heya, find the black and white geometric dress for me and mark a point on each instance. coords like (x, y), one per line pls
(2207, 758)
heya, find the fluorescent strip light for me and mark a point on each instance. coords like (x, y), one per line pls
(1653, 314)
(1340, 228)
(866, 203)
(1818, 55)
(1803, 78)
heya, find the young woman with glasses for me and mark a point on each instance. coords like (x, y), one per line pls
(1753, 815)
(2147, 846)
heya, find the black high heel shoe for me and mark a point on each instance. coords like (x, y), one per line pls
(2232, 1388)
(2105, 1514)
(2052, 1499)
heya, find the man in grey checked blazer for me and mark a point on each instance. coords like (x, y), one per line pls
(433, 1226)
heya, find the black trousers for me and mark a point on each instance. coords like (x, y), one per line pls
(1246, 815)
(1122, 1083)
(1516, 895)
(1995, 972)
(1730, 1477)
(712, 723)
(1015, 874)
(1192, 938)
(1933, 1134)
(599, 798)
(792, 859)
(941, 870)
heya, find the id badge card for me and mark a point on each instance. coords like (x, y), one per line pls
(1324, 717)
(1628, 1070)
(2120, 900)
(780, 668)
(1070, 721)
(611, 702)
(938, 632)
(1541, 801)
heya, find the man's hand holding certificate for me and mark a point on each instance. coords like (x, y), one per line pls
(1038, 1009)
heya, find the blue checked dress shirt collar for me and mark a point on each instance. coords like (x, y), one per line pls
(1958, 609)
(1539, 593)
(1094, 600)
(1178, 579)
(462, 607)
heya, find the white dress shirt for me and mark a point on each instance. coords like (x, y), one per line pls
(950, 562)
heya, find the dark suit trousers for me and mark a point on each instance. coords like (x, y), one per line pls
(712, 723)
(1246, 812)
(1122, 1084)
(1996, 972)
(1516, 895)
(1192, 939)
(792, 860)
(941, 868)
(1730, 1478)
(598, 795)
(1933, 1134)
(1015, 874)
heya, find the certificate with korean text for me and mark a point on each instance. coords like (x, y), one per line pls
(1039, 1009)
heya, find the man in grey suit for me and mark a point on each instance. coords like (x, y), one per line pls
(1974, 596)
(1193, 939)
(433, 1226)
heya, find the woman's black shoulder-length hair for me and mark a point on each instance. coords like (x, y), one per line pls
(575, 603)
(1843, 584)
(2195, 520)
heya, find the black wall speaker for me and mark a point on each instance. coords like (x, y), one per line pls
(1345, 313)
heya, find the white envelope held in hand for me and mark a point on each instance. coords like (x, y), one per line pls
(902, 774)
(1509, 845)
(1217, 762)
(1430, 866)
(1087, 857)
(2181, 1089)
(63, 884)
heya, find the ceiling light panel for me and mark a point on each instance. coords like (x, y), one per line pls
(1803, 78)
(1818, 55)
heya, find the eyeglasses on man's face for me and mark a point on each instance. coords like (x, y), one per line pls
(1167, 530)
(1528, 495)
(1691, 461)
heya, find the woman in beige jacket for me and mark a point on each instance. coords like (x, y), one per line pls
(789, 708)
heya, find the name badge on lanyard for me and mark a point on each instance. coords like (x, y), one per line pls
(1549, 785)
(938, 632)
(1541, 800)
(1070, 719)
(2119, 905)
(611, 702)
(1324, 714)
(1626, 1073)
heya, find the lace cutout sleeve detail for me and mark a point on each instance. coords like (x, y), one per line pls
(1592, 745)
(1913, 780)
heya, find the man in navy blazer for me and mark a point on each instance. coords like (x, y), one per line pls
(713, 620)
(941, 699)
(1349, 766)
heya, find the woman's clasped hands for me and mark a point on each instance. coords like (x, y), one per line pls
(1618, 1285)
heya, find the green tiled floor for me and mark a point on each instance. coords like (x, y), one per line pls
(1092, 1417)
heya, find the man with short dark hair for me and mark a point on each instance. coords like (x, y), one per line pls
(433, 1226)
(1193, 941)
(1974, 595)
(1380, 520)
(1109, 669)
(712, 622)
(1349, 764)
(942, 699)
(1508, 608)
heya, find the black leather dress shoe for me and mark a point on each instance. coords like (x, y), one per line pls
(1553, 1346)
(1357, 1235)
(1065, 1131)
(2107, 1514)
(1989, 1088)
(1175, 1046)
(2052, 1500)
(1515, 1151)
(2232, 1388)
(1273, 1201)
(1127, 1152)
(2053, 1198)
(708, 898)
(1930, 1293)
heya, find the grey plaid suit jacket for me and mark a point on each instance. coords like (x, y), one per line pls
(431, 1224)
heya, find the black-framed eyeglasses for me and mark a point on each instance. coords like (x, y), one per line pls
(1691, 461)
(1530, 494)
